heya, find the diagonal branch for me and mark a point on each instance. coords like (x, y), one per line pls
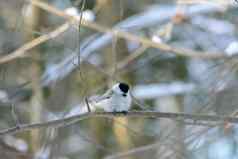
(22, 51)
(129, 36)
(139, 114)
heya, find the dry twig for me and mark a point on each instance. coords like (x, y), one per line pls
(125, 35)
(22, 51)
(142, 114)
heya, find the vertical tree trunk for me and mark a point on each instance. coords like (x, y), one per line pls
(120, 124)
(32, 23)
(105, 17)
(110, 14)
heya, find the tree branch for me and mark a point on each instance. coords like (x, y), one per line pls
(125, 35)
(22, 51)
(141, 114)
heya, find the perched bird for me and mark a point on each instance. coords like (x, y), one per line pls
(116, 99)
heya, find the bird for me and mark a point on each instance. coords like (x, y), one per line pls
(116, 99)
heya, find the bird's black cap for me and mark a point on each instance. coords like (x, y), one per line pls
(124, 87)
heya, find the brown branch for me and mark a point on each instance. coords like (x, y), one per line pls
(130, 58)
(133, 151)
(125, 35)
(22, 51)
(141, 114)
(220, 2)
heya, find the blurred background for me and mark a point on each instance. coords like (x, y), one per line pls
(197, 74)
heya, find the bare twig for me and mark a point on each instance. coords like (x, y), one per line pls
(22, 51)
(14, 115)
(130, 58)
(221, 2)
(125, 35)
(87, 104)
(142, 114)
(133, 151)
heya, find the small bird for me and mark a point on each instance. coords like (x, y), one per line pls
(116, 99)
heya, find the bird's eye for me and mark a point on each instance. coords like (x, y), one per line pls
(124, 95)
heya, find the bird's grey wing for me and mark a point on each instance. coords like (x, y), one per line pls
(106, 95)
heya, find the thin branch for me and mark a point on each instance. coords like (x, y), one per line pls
(142, 114)
(221, 2)
(125, 35)
(130, 58)
(22, 51)
(14, 114)
(132, 151)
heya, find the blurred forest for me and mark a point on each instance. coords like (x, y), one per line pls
(178, 56)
